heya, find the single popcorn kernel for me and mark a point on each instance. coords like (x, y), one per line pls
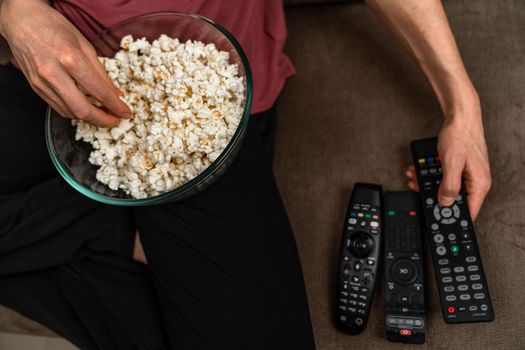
(186, 100)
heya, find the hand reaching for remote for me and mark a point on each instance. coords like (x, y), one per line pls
(55, 57)
(463, 153)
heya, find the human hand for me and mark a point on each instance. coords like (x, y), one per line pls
(55, 57)
(463, 154)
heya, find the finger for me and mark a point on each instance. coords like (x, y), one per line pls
(92, 57)
(76, 101)
(411, 174)
(84, 73)
(475, 200)
(451, 182)
(412, 185)
(52, 99)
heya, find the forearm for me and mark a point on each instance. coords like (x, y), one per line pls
(422, 28)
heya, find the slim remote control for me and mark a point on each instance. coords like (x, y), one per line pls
(463, 288)
(404, 289)
(359, 258)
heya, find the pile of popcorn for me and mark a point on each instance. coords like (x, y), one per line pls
(186, 100)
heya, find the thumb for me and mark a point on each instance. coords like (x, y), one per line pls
(451, 182)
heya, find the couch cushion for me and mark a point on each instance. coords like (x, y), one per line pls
(349, 115)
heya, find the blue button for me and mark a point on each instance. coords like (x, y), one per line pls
(353, 214)
(430, 160)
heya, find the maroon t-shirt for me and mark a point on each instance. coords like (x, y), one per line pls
(258, 25)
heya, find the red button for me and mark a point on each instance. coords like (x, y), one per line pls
(405, 332)
(451, 309)
(412, 213)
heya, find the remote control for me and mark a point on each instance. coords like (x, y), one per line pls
(404, 279)
(463, 288)
(359, 258)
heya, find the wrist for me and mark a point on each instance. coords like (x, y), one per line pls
(459, 100)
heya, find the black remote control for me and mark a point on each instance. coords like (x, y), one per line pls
(457, 263)
(404, 279)
(359, 258)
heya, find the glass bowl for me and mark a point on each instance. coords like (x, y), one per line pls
(71, 157)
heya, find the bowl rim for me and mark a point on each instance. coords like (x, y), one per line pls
(201, 177)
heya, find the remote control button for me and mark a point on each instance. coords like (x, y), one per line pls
(404, 271)
(434, 227)
(444, 270)
(461, 278)
(362, 223)
(375, 217)
(448, 221)
(446, 212)
(353, 295)
(459, 198)
(436, 213)
(353, 214)
(342, 318)
(355, 289)
(368, 216)
(343, 301)
(469, 247)
(351, 309)
(446, 279)
(477, 286)
(391, 321)
(473, 308)
(430, 201)
(465, 235)
(370, 262)
(364, 290)
(374, 224)
(355, 279)
(405, 332)
(464, 297)
(352, 302)
(484, 307)
(440, 250)
(360, 215)
(454, 248)
(352, 221)
(347, 270)
(459, 269)
(456, 211)
(463, 223)
(479, 296)
(452, 237)
(462, 287)
(361, 304)
(438, 238)
(473, 268)
(346, 258)
(475, 277)
(357, 266)
(470, 259)
(409, 322)
(462, 308)
(443, 262)
(451, 309)
(403, 299)
(412, 213)
(418, 323)
(360, 244)
(449, 289)
(391, 213)
(450, 298)
(362, 296)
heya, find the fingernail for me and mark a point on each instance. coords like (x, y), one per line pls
(446, 200)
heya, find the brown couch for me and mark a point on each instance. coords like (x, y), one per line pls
(349, 115)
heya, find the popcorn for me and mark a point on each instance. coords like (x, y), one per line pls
(187, 102)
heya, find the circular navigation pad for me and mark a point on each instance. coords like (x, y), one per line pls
(404, 271)
(360, 244)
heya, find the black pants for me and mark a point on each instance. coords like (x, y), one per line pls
(223, 268)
